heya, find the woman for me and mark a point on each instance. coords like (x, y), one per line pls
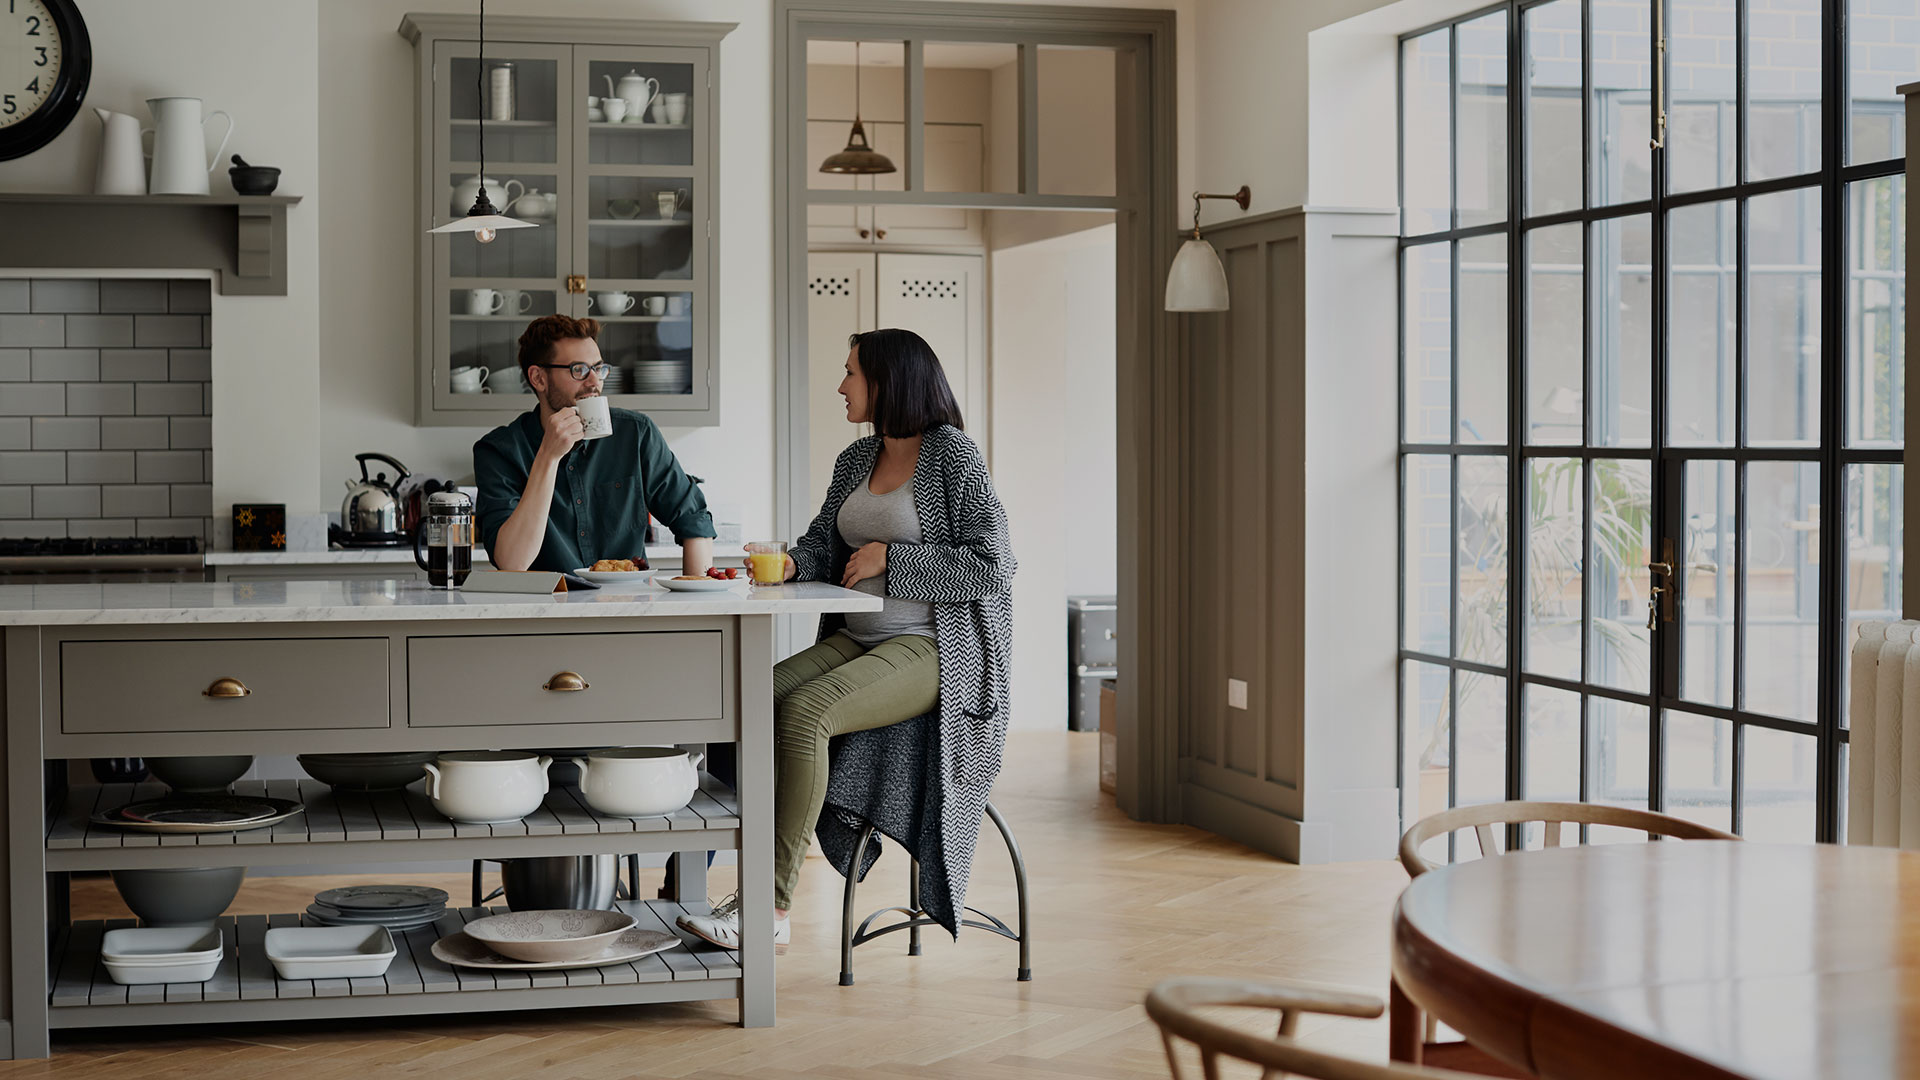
(913, 697)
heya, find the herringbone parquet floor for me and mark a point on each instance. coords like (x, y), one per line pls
(1117, 905)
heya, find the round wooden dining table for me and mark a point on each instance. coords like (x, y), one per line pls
(1674, 959)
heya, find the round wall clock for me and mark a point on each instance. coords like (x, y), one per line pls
(46, 61)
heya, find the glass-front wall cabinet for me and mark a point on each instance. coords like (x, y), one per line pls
(607, 151)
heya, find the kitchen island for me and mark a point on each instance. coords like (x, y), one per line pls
(151, 670)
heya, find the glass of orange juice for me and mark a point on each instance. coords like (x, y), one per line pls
(767, 561)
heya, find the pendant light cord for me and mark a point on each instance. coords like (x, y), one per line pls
(856, 81)
(480, 94)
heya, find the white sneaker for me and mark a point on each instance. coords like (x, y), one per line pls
(722, 927)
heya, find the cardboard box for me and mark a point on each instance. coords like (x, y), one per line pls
(1109, 736)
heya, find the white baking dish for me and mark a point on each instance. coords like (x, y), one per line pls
(330, 952)
(161, 954)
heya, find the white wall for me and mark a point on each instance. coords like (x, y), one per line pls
(257, 61)
(1054, 414)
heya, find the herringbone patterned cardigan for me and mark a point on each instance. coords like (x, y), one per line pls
(924, 782)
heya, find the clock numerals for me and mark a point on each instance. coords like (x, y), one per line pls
(33, 26)
(34, 86)
(41, 61)
(7, 107)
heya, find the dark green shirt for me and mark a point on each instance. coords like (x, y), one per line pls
(601, 496)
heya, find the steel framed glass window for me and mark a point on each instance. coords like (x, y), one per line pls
(1616, 355)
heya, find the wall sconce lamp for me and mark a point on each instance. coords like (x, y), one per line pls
(1197, 281)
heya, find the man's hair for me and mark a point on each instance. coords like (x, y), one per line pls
(543, 333)
(908, 389)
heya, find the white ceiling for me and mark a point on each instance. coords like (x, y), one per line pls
(940, 54)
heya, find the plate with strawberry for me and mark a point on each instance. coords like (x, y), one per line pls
(716, 579)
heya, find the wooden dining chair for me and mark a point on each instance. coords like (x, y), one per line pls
(1412, 1037)
(1175, 1005)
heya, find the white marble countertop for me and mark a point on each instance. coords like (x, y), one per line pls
(392, 601)
(656, 553)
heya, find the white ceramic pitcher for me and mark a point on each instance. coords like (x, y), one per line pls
(180, 162)
(123, 169)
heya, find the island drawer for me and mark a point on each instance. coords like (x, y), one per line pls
(243, 684)
(523, 678)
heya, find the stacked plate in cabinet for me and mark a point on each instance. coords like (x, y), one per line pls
(662, 376)
(396, 907)
(615, 382)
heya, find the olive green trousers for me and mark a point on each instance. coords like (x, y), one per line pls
(830, 689)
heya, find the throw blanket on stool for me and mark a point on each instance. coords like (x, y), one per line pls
(924, 782)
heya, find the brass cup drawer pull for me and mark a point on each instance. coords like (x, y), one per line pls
(565, 681)
(226, 688)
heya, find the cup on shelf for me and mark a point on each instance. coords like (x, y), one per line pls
(654, 305)
(484, 302)
(611, 303)
(677, 304)
(594, 113)
(515, 301)
(469, 380)
(660, 110)
(624, 209)
(615, 109)
(676, 108)
(670, 201)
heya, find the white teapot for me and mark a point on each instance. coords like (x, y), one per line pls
(535, 205)
(500, 196)
(638, 90)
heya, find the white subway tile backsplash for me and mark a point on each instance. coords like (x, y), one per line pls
(61, 295)
(94, 527)
(100, 467)
(66, 502)
(167, 331)
(192, 500)
(109, 331)
(192, 433)
(16, 365)
(194, 527)
(131, 500)
(170, 467)
(16, 295)
(16, 433)
(65, 433)
(16, 502)
(169, 399)
(34, 331)
(66, 365)
(190, 297)
(33, 399)
(33, 467)
(130, 296)
(32, 530)
(134, 433)
(133, 365)
(190, 365)
(97, 399)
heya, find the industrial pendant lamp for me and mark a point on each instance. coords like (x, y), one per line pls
(483, 220)
(858, 159)
(1197, 281)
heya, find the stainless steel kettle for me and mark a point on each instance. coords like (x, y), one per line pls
(372, 510)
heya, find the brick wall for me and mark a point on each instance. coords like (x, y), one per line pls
(106, 404)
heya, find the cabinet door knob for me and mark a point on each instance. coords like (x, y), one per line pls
(565, 681)
(576, 283)
(226, 688)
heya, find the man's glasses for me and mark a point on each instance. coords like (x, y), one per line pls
(579, 370)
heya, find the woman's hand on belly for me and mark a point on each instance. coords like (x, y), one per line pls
(868, 562)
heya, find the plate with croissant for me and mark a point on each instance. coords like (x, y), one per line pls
(617, 572)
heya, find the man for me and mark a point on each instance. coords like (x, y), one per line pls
(551, 500)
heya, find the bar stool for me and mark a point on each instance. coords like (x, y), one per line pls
(851, 938)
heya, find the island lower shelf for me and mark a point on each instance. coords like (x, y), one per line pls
(400, 826)
(246, 987)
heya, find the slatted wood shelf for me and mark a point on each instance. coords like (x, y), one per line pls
(400, 825)
(246, 987)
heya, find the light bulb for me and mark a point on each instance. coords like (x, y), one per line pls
(485, 236)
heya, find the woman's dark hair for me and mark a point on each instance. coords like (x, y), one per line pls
(908, 388)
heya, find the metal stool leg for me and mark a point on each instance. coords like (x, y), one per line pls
(478, 895)
(846, 911)
(1025, 974)
(913, 901)
(633, 877)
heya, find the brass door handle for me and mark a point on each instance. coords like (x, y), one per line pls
(226, 688)
(576, 283)
(565, 681)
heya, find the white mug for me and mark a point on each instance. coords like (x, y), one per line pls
(596, 416)
(615, 109)
(611, 303)
(670, 201)
(484, 302)
(487, 787)
(660, 109)
(470, 380)
(516, 301)
(654, 305)
(676, 108)
(677, 304)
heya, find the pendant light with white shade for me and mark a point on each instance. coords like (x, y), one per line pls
(858, 159)
(1197, 281)
(484, 221)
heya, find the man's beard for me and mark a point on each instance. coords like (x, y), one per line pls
(555, 399)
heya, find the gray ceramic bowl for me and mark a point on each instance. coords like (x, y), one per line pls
(201, 775)
(367, 772)
(180, 896)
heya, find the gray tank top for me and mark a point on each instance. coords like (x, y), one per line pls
(888, 519)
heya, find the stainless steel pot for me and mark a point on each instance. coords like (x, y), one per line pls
(372, 508)
(560, 881)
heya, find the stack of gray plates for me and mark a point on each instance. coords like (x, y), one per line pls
(615, 382)
(396, 907)
(662, 376)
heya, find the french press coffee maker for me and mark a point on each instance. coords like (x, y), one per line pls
(443, 544)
